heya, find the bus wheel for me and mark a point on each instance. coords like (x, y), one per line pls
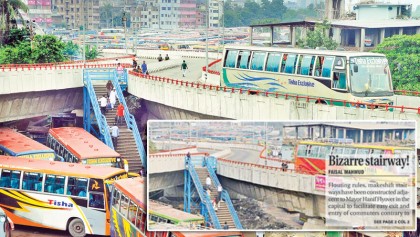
(77, 228)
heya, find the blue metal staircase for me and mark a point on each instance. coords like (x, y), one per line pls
(196, 172)
(130, 145)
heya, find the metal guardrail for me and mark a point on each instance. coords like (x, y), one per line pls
(100, 118)
(204, 198)
(225, 196)
(129, 118)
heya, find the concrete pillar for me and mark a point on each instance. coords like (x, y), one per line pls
(303, 32)
(250, 33)
(381, 35)
(373, 136)
(383, 135)
(393, 135)
(357, 38)
(293, 35)
(418, 30)
(361, 136)
(271, 35)
(344, 133)
(297, 132)
(400, 31)
(337, 35)
(362, 39)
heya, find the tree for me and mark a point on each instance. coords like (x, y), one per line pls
(71, 50)
(45, 49)
(92, 52)
(318, 37)
(10, 8)
(403, 53)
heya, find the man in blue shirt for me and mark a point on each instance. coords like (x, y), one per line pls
(144, 68)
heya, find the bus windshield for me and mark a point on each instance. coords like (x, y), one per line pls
(370, 76)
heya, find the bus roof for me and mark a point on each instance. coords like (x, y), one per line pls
(81, 143)
(207, 234)
(356, 145)
(134, 188)
(304, 51)
(168, 212)
(58, 168)
(19, 144)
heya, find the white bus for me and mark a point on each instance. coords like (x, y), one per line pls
(326, 74)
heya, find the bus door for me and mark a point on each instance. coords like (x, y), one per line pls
(96, 203)
(339, 74)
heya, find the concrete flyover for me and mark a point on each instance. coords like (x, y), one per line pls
(219, 102)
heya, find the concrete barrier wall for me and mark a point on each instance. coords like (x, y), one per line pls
(39, 80)
(252, 107)
(161, 164)
(165, 180)
(154, 53)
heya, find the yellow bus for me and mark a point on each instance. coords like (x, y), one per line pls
(57, 195)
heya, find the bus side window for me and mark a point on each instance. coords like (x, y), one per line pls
(327, 66)
(339, 80)
(291, 63)
(307, 63)
(301, 150)
(116, 199)
(318, 66)
(76, 186)
(132, 210)
(257, 62)
(299, 64)
(96, 200)
(230, 60)
(32, 181)
(124, 205)
(243, 59)
(5, 178)
(273, 62)
(15, 180)
(283, 62)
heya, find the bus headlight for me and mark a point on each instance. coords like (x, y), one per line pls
(118, 159)
(83, 161)
(2, 219)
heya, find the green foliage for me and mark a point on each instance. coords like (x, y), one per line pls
(17, 35)
(10, 14)
(92, 52)
(303, 14)
(71, 50)
(253, 13)
(318, 37)
(403, 53)
(45, 49)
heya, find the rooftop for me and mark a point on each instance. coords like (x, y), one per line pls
(355, 24)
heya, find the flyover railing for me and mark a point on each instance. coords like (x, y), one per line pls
(286, 96)
(100, 118)
(129, 118)
(225, 197)
(205, 199)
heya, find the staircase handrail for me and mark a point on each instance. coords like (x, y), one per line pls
(130, 120)
(225, 196)
(204, 198)
(100, 118)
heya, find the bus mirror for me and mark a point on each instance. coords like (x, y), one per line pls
(356, 68)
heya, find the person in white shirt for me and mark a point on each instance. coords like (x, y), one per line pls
(103, 101)
(219, 194)
(115, 132)
(113, 98)
(208, 182)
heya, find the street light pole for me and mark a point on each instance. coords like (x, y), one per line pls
(207, 37)
(124, 19)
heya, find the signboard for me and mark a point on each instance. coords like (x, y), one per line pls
(320, 182)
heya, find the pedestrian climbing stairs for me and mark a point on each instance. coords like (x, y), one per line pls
(129, 144)
(225, 213)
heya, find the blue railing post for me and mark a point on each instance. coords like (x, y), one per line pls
(129, 118)
(100, 118)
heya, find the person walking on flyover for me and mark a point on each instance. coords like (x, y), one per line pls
(113, 98)
(103, 102)
(184, 68)
(115, 132)
(144, 68)
(208, 182)
(120, 114)
(109, 87)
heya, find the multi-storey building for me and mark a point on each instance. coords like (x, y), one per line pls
(40, 11)
(135, 18)
(215, 13)
(188, 14)
(149, 18)
(169, 14)
(76, 13)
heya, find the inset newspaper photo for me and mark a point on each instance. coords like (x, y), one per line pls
(282, 175)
